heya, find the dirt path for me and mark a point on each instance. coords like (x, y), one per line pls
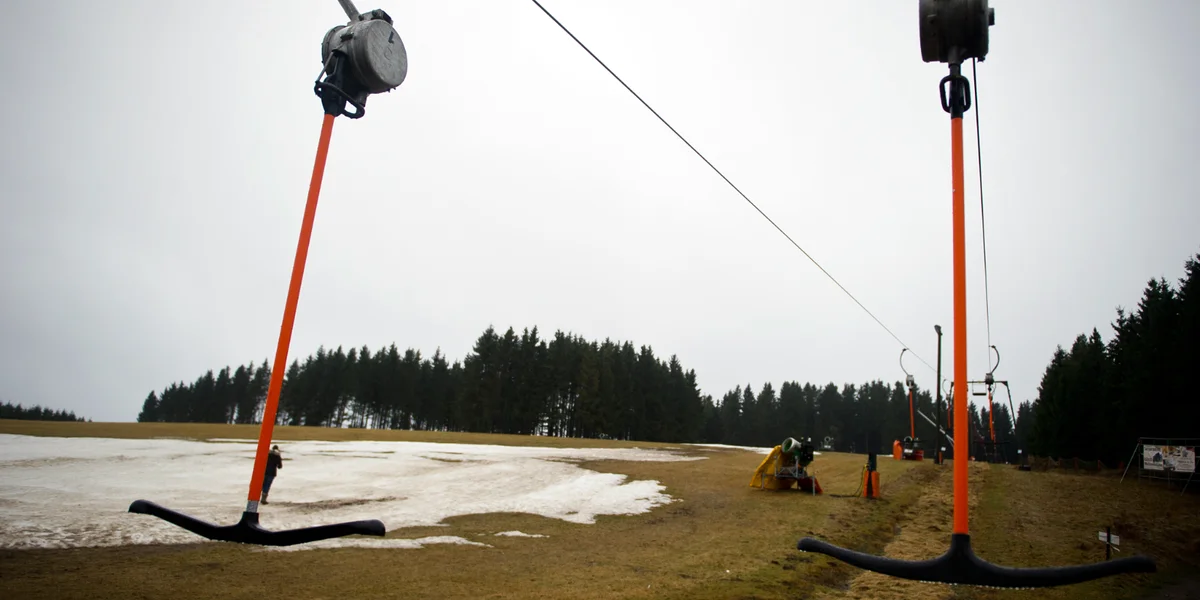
(923, 532)
(1185, 590)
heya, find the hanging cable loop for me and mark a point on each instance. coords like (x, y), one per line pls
(908, 376)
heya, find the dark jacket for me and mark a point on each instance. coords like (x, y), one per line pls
(274, 463)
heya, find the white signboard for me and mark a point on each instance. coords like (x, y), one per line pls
(1116, 539)
(1169, 458)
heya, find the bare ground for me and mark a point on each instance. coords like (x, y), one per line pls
(721, 539)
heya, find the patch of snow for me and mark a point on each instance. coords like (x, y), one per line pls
(757, 449)
(382, 544)
(75, 492)
(521, 534)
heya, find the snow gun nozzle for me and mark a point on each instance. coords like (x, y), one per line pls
(248, 531)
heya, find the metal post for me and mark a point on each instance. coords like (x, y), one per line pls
(1131, 458)
(941, 441)
(1107, 543)
(351, 12)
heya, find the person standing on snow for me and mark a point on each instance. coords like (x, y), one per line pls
(274, 463)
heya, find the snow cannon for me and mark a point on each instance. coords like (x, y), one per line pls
(908, 449)
(786, 468)
(803, 451)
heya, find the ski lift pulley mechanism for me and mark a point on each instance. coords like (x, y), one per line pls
(363, 57)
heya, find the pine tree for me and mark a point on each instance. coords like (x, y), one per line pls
(766, 409)
(239, 393)
(731, 416)
(149, 409)
(752, 421)
(290, 409)
(825, 411)
(223, 400)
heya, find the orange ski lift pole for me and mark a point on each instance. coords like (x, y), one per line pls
(910, 382)
(989, 383)
(990, 380)
(953, 31)
(1011, 410)
(910, 446)
(363, 57)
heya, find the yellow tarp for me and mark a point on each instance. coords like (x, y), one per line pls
(764, 475)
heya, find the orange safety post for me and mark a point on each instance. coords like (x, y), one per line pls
(870, 484)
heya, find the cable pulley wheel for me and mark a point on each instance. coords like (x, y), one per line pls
(953, 31)
(377, 58)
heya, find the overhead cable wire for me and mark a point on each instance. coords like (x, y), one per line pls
(735, 188)
(982, 219)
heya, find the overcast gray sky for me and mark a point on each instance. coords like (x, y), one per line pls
(156, 156)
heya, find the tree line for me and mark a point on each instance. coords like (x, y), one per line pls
(852, 415)
(564, 386)
(8, 410)
(508, 383)
(1096, 399)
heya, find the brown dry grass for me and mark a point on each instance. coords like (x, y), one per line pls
(1045, 519)
(924, 533)
(206, 431)
(722, 539)
(1051, 518)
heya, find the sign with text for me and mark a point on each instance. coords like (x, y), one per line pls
(1169, 458)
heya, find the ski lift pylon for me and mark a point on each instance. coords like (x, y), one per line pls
(953, 31)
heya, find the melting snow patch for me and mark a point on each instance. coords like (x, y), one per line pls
(75, 492)
(757, 449)
(521, 534)
(384, 544)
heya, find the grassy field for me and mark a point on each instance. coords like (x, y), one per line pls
(722, 539)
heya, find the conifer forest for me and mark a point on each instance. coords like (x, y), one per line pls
(1094, 400)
